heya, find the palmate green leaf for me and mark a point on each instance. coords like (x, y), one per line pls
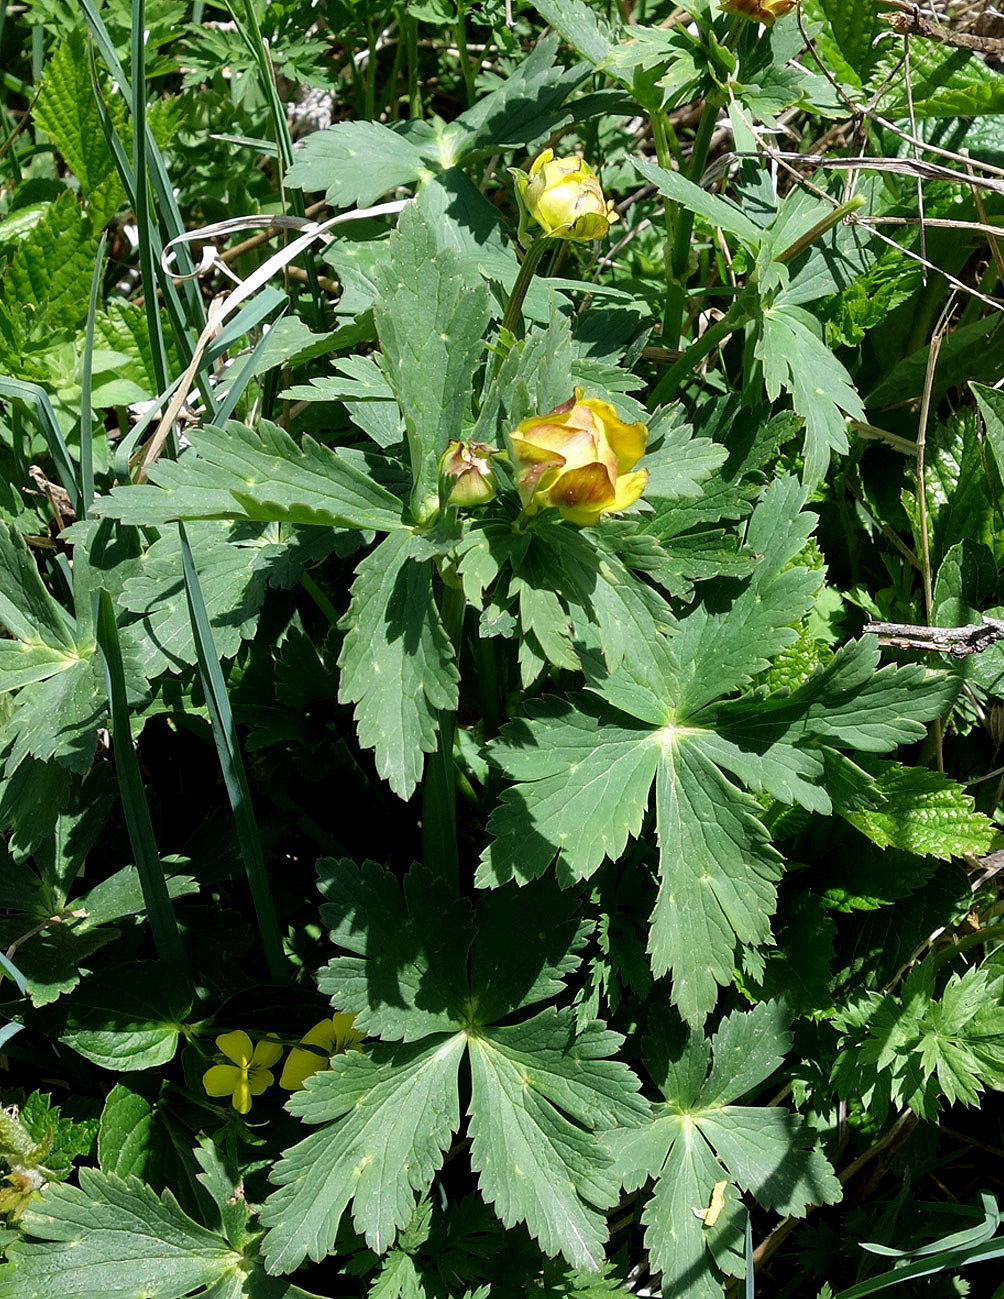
(677, 462)
(397, 661)
(431, 313)
(922, 812)
(777, 743)
(719, 212)
(542, 1090)
(355, 163)
(237, 473)
(532, 1107)
(409, 975)
(117, 1239)
(526, 107)
(233, 585)
(580, 26)
(58, 718)
(698, 1138)
(584, 771)
(399, 1108)
(718, 876)
(27, 610)
(795, 359)
(719, 651)
(128, 1017)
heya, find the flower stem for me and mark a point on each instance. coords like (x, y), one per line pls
(514, 307)
(683, 222)
(667, 386)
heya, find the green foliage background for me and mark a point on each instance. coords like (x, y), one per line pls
(664, 893)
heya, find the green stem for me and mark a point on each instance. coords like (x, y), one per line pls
(683, 221)
(668, 385)
(514, 307)
(460, 31)
(409, 26)
(320, 599)
(439, 799)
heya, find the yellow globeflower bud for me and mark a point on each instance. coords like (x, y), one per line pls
(761, 11)
(564, 197)
(469, 465)
(579, 458)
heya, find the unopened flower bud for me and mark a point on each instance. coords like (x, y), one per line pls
(761, 11)
(563, 196)
(469, 465)
(579, 458)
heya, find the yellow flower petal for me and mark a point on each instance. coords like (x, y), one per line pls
(221, 1079)
(236, 1046)
(241, 1099)
(266, 1054)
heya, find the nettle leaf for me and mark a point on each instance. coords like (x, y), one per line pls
(67, 110)
(698, 1138)
(797, 360)
(922, 812)
(542, 1090)
(52, 266)
(431, 313)
(397, 661)
(115, 1237)
(237, 473)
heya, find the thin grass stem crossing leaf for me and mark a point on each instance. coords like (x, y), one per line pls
(397, 661)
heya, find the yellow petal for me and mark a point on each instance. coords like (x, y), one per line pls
(241, 1100)
(236, 1046)
(347, 1036)
(628, 489)
(301, 1064)
(221, 1079)
(588, 488)
(259, 1080)
(266, 1054)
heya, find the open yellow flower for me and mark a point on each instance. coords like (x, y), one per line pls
(564, 197)
(579, 458)
(250, 1072)
(761, 11)
(329, 1037)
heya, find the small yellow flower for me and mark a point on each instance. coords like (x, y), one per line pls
(564, 197)
(250, 1072)
(579, 458)
(761, 11)
(329, 1037)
